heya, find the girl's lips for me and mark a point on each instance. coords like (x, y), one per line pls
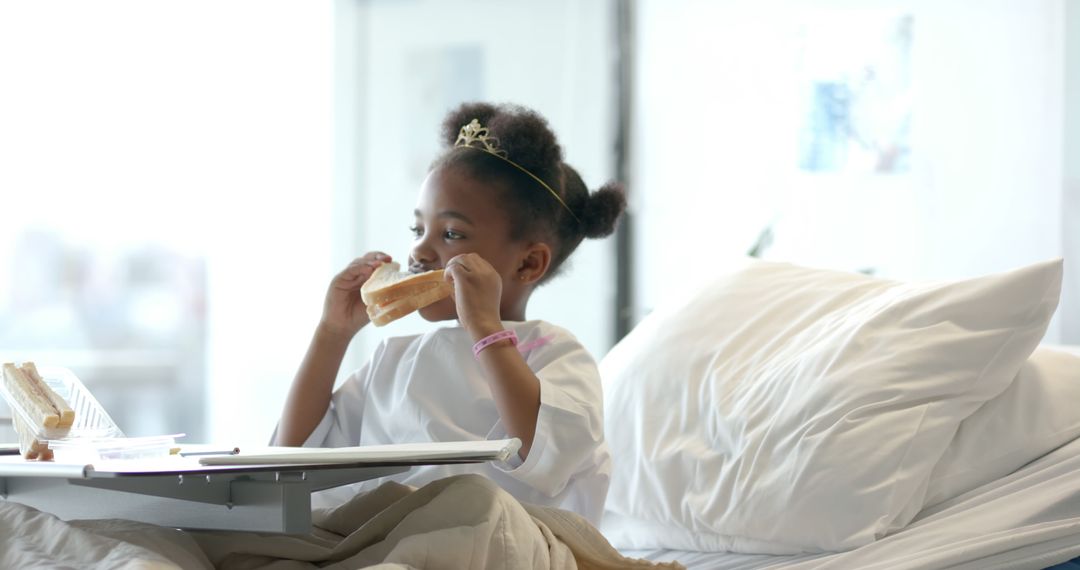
(421, 269)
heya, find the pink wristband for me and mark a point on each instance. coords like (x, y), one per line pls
(492, 339)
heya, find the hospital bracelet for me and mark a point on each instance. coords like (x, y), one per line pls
(492, 339)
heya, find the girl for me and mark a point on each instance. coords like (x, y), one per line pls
(500, 212)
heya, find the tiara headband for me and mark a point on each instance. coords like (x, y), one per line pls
(474, 133)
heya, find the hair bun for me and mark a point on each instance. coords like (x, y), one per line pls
(602, 210)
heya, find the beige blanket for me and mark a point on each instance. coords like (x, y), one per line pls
(459, 522)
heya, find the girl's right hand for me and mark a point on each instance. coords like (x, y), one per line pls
(344, 312)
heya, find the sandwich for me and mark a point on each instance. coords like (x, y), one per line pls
(43, 407)
(391, 294)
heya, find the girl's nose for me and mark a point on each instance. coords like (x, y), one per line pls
(421, 253)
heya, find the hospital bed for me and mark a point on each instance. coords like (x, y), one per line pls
(774, 416)
(1030, 519)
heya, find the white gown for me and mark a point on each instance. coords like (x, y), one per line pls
(430, 388)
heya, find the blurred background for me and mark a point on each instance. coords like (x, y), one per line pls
(180, 180)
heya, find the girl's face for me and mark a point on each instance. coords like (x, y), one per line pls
(457, 214)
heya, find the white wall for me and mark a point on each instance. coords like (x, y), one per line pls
(714, 145)
(269, 218)
(990, 111)
(1070, 219)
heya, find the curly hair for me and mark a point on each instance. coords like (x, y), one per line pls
(534, 214)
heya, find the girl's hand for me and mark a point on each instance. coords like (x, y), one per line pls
(477, 293)
(344, 313)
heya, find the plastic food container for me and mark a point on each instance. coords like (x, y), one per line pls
(73, 450)
(91, 423)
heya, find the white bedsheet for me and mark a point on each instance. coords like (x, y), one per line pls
(1030, 519)
(466, 521)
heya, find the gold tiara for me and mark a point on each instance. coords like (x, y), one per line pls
(473, 133)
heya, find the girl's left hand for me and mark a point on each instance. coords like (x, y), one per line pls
(477, 293)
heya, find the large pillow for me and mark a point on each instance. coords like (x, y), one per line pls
(783, 409)
(1036, 414)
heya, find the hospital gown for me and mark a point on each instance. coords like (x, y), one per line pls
(429, 387)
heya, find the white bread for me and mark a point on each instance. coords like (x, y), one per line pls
(34, 448)
(45, 408)
(67, 415)
(388, 283)
(390, 312)
(391, 294)
(29, 395)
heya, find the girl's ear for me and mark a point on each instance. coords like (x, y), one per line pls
(535, 263)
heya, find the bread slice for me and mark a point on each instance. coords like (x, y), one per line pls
(30, 396)
(388, 283)
(391, 294)
(67, 415)
(394, 310)
(44, 408)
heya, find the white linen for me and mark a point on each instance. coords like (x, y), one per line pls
(1039, 412)
(429, 387)
(32, 539)
(1027, 520)
(785, 409)
(465, 521)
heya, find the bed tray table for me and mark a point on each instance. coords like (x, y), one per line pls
(261, 493)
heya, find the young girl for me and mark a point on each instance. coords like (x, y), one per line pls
(500, 212)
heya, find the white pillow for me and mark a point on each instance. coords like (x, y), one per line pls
(1039, 412)
(783, 409)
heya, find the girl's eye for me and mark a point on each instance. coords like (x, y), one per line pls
(451, 234)
(417, 231)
